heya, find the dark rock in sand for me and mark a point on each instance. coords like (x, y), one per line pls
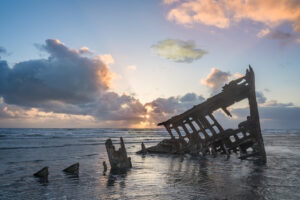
(43, 173)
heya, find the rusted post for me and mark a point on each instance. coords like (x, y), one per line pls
(144, 150)
(104, 167)
(254, 116)
(117, 159)
(169, 130)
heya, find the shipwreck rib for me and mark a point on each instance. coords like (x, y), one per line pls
(199, 132)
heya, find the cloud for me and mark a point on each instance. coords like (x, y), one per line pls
(272, 113)
(216, 79)
(275, 116)
(169, 2)
(85, 50)
(106, 58)
(223, 13)
(64, 76)
(274, 103)
(66, 83)
(283, 37)
(260, 97)
(263, 32)
(178, 50)
(70, 90)
(164, 108)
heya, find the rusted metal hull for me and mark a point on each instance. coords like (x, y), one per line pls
(197, 131)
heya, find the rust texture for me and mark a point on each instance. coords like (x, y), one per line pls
(197, 131)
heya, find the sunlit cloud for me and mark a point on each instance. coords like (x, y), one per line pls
(85, 50)
(107, 59)
(263, 32)
(66, 83)
(70, 90)
(178, 50)
(16, 112)
(216, 79)
(224, 13)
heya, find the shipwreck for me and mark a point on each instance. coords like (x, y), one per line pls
(197, 131)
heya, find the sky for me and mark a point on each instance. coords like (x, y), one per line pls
(135, 63)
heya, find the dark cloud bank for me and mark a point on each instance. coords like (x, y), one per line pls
(67, 82)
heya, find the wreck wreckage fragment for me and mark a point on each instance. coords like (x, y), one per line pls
(117, 159)
(198, 132)
(42, 175)
(73, 169)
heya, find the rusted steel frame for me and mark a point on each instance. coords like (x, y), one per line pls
(209, 126)
(254, 115)
(167, 126)
(187, 133)
(233, 92)
(202, 129)
(236, 81)
(195, 138)
(216, 122)
(225, 137)
(241, 141)
(226, 111)
(178, 131)
(222, 100)
(236, 137)
(195, 132)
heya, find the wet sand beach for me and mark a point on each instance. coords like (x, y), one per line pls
(153, 176)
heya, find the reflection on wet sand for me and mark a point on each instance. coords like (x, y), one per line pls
(153, 176)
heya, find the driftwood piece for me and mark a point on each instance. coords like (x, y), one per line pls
(73, 169)
(117, 159)
(43, 173)
(196, 131)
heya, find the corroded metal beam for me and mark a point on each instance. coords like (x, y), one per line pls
(222, 140)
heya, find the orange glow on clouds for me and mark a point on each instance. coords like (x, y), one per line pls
(223, 13)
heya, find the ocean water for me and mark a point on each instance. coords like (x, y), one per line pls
(25, 151)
